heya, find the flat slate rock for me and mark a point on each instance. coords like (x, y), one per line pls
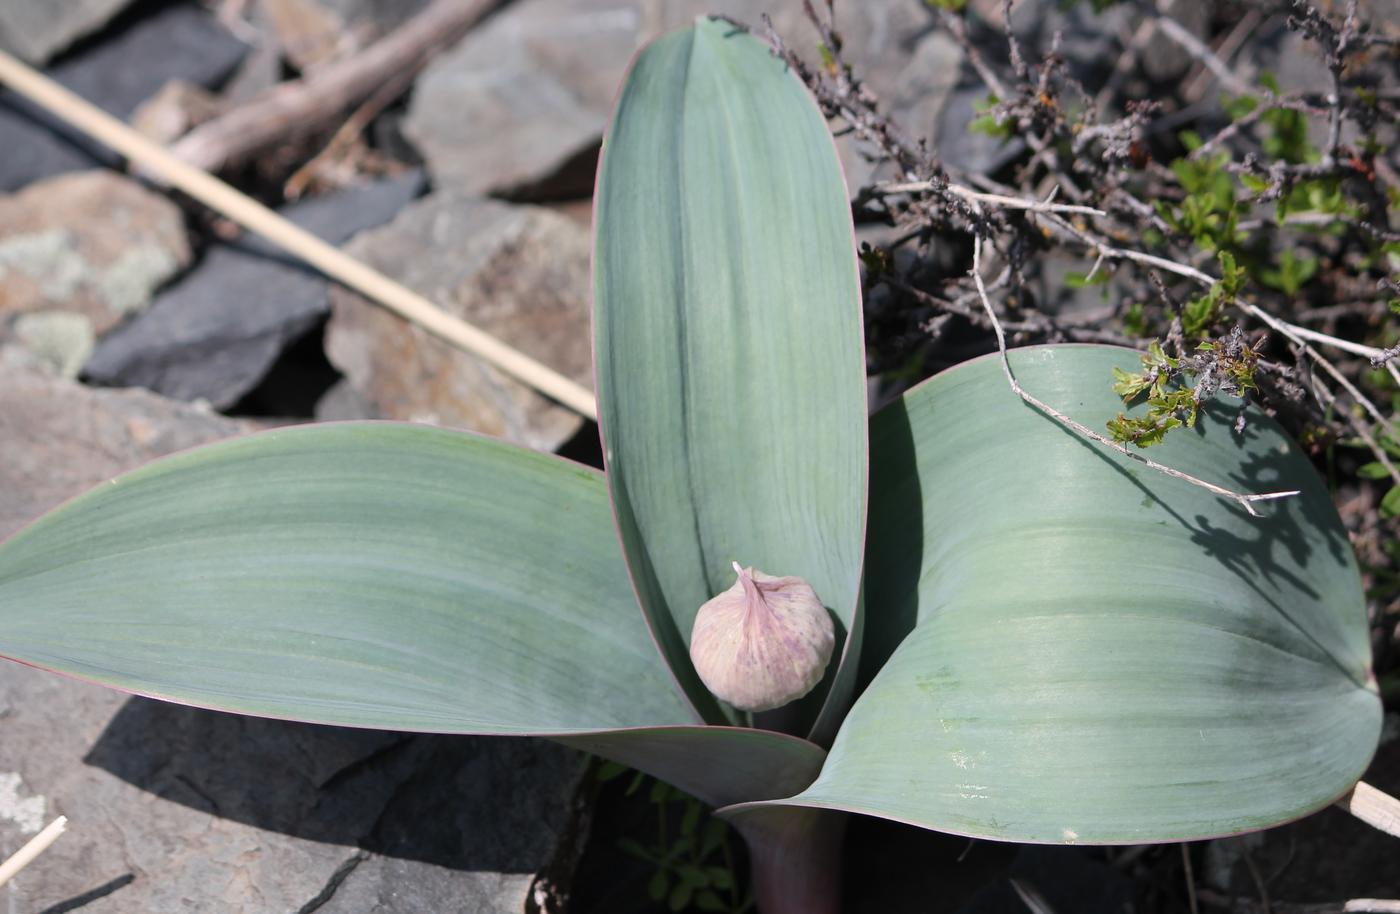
(214, 334)
(173, 809)
(312, 33)
(179, 41)
(58, 438)
(382, 15)
(521, 273)
(35, 30)
(517, 108)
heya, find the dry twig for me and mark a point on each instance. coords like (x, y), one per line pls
(1190, 877)
(1202, 52)
(1245, 501)
(1001, 200)
(32, 849)
(1374, 807)
(1350, 906)
(345, 136)
(310, 103)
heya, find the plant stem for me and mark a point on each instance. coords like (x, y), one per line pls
(794, 857)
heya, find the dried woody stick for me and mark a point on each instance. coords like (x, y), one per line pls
(1375, 808)
(1002, 200)
(35, 846)
(257, 218)
(348, 132)
(1263, 905)
(307, 104)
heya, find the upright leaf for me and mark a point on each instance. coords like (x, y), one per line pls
(728, 337)
(1069, 646)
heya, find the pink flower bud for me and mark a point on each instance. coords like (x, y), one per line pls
(762, 643)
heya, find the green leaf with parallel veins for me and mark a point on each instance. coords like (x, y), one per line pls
(369, 575)
(730, 366)
(720, 765)
(373, 575)
(1069, 646)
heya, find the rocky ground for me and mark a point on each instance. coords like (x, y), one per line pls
(134, 323)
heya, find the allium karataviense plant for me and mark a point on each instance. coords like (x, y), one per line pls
(1036, 640)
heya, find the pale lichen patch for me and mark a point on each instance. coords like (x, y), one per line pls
(25, 812)
(62, 340)
(48, 258)
(128, 283)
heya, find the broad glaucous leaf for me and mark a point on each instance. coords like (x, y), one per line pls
(720, 765)
(727, 325)
(370, 575)
(373, 575)
(1066, 645)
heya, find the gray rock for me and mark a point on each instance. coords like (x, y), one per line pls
(518, 272)
(402, 816)
(35, 30)
(960, 147)
(260, 70)
(308, 33)
(342, 402)
(926, 83)
(311, 33)
(1090, 37)
(1163, 58)
(521, 102)
(179, 41)
(1294, 60)
(92, 243)
(1298, 66)
(174, 809)
(214, 334)
(375, 17)
(518, 106)
(1050, 291)
(1382, 15)
(58, 438)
